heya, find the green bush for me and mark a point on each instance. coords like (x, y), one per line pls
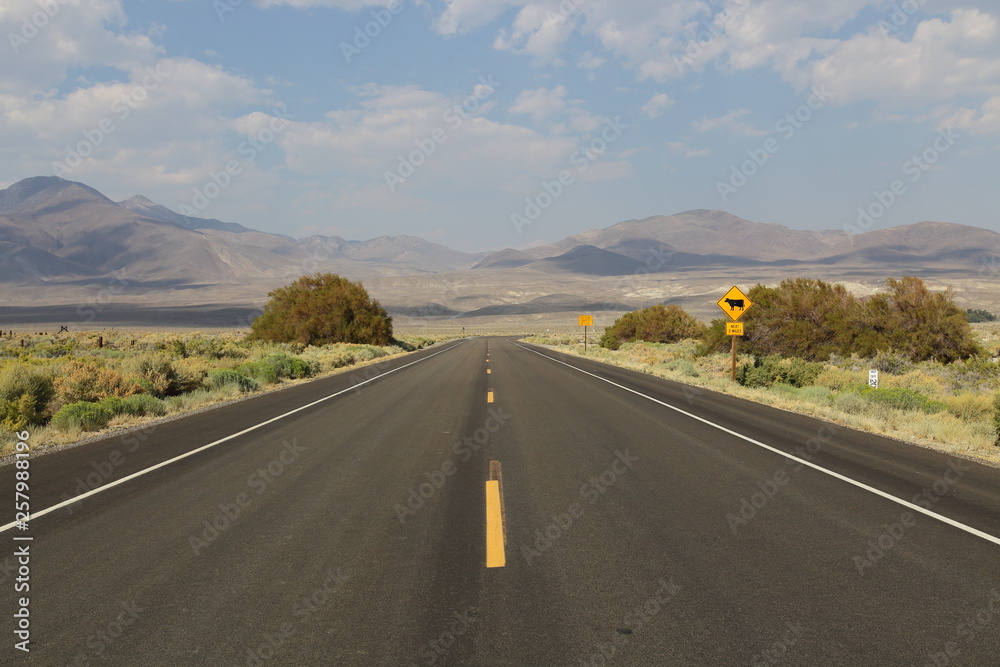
(767, 371)
(979, 315)
(143, 405)
(902, 399)
(25, 393)
(226, 377)
(812, 320)
(275, 367)
(683, 366)
(83, 415)
(321, 309)
(656, 324)
(996, 419)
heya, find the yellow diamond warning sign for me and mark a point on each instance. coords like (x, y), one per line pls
(735, 303)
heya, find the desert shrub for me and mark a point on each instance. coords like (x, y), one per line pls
(178, 348)
(276, 367)
(683, 366)
(89, 381)
(815, 394)
(849, 402)
(812, 320)
(767, 371)
(25, 393)
(82, 415)
(902, 399)
(656, 324)
(969, 407)
(836, 378)
(893, 363)
(157, 374)
(225, 377)
(143, 405)
(996, 419)
(976, 315)
(321, 309)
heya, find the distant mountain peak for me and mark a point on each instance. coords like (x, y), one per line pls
(28, 194)
(137, 200)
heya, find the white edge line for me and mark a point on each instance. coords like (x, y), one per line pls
(861, 485)
(105, 487)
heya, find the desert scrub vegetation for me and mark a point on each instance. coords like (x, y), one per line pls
(954, 407)
(65, 386)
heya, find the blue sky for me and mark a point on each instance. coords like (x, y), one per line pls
(483, 124)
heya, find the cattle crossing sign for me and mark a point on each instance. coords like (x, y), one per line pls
(735, 303)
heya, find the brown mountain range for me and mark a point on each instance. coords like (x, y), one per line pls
(64, 243)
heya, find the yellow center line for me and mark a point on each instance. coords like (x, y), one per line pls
(489, 396)
(496, 536)
(488, 371)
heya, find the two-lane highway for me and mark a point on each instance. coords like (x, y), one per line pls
(645, 523)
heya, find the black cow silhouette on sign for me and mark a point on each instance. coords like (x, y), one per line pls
(735, 303)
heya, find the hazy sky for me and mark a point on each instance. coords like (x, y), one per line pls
(482, 124)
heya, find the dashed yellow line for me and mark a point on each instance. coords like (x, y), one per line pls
(489, 396)
(495, 533)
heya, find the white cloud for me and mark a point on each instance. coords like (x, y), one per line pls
(686, 151)
(41, 46)
(540, 103)
(944, 59)
(537, 31)
(731, 123)
(391, 123)
(464, 15)
(984, 120)
(656, 105)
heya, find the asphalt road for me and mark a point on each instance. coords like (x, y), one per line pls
(646, 523)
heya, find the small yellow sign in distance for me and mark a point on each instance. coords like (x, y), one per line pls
(735, 303)
(586, 320)
(734, 328)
